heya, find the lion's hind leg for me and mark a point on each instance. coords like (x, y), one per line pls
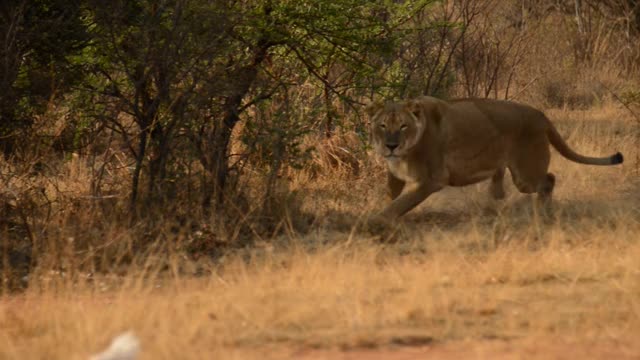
(545, 189)
(496, 188)
(529, 167)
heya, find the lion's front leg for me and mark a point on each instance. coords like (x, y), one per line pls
(408, 201)
(395, 185)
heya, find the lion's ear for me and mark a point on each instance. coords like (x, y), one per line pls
(429, 112)
(373, 108)
(435, 110)
(415, 107)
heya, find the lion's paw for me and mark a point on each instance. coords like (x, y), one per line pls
(378, 224)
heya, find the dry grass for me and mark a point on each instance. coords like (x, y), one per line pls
(459, 268)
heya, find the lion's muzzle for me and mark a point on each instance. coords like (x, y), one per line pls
(392, 141)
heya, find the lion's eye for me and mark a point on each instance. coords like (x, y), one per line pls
(383, 126)
(403, 127)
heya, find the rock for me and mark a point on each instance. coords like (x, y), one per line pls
(125, 346)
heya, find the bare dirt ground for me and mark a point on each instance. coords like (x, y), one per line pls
(547, 349)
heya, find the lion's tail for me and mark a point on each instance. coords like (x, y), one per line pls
(564, 149)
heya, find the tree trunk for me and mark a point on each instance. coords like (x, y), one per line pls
(220, 138)
(328, 109)
(135, 182)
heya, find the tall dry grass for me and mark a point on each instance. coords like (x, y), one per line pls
(353, 295)
(460, 267)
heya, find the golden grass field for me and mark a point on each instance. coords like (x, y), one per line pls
(462, 277)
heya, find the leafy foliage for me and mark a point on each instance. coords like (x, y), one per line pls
(196, 91)
(40, 39)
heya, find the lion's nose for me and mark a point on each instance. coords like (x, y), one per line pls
(391, 147)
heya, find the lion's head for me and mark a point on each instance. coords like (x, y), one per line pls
(397, 127)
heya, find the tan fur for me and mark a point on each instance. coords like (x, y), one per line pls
(440, 143)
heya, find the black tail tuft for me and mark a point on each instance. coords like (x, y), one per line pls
(617, 159)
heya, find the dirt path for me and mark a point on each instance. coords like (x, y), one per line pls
(489, 349)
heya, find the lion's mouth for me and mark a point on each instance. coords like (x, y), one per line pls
(390, 154)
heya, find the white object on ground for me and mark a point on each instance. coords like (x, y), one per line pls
(123, 347)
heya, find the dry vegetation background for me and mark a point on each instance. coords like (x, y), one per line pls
(103, 232)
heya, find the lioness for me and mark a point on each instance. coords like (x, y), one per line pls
(432, 143)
